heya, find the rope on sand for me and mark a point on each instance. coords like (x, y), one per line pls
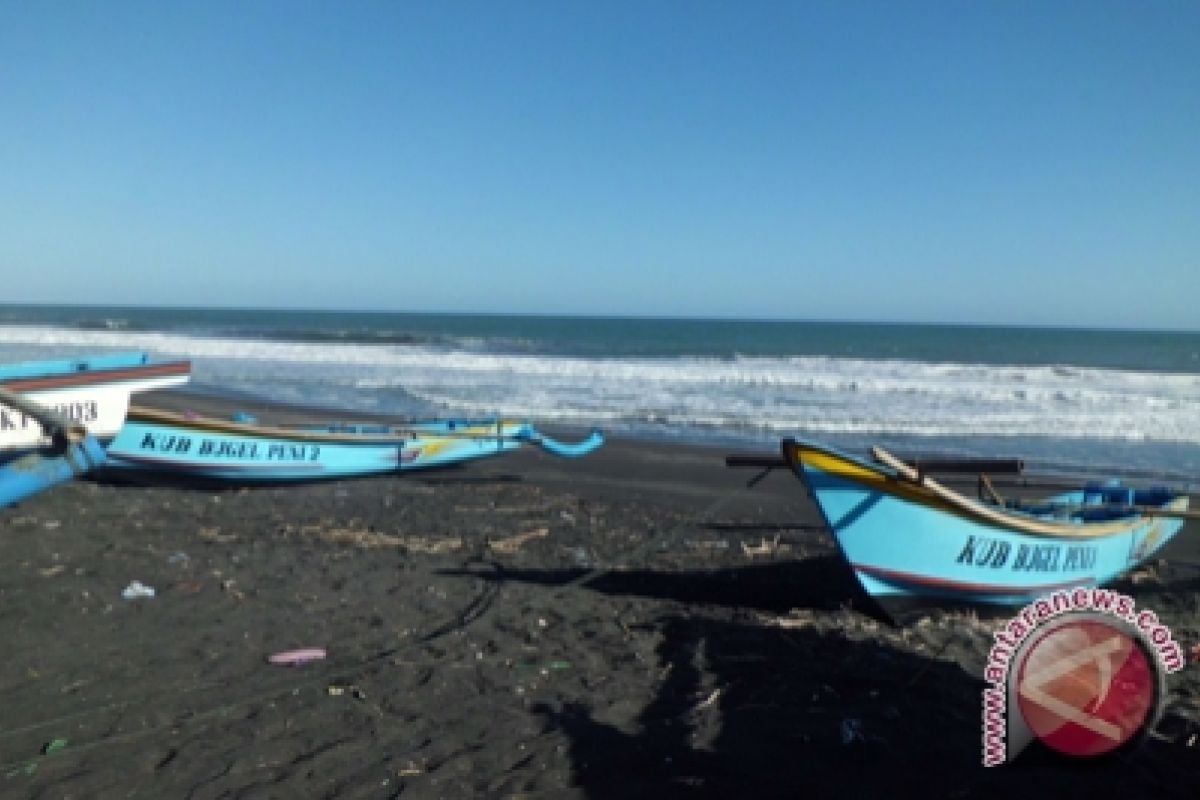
(657, 541)
(468, 614)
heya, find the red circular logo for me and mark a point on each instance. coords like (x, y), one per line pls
(1086, 687)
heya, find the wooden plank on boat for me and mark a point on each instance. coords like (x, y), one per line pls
(974, 466)
(996, 516)
(757, 462)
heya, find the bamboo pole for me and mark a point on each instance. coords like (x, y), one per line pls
(997, 516)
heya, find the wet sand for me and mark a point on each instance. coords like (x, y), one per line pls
(633, 624)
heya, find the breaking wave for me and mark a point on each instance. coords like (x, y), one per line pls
(818, 395)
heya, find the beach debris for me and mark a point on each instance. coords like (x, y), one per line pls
(512, 544)
(854, 734)
(178, 557)
(28, 769)
(137, 590)
(337, 690)
(796, 618)
(1143, 575)
(712, 698)
(53, 746)
(227, 586)
(189, 587)
(51, 524)
(765, 547)
(1195, 652)
(30, 766)
(546, 668)
(371, 538)
(852, 731)
(50, 572)
(215, 536)
(296, 658)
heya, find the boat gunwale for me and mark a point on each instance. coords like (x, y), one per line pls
(894, 484)
(85, 378)
(151, 416)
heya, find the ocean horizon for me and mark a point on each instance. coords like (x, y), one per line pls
(1059, 397)
(20, 310)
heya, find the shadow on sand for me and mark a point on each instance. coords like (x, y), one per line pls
(818, 582)
(744, 709)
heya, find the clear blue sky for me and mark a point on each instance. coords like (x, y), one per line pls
(1005, 162)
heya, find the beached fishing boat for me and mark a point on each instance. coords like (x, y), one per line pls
(910, 540)
(94, 392)
(163, 444)
(69, 451)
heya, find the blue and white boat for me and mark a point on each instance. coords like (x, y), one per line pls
(94, 392)
(55, 415)
(156, 444)
(910, 540)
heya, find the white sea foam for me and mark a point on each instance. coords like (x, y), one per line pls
(811, 394)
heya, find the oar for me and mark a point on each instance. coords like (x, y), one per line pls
(758, 462)
(55, 425)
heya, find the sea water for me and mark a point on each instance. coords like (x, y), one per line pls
(1060, 398)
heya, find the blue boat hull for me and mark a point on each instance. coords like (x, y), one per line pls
(903, 543)
(166, 445)
(243, 454)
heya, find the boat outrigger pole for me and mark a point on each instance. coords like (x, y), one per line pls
(55, 425)
(76, 452)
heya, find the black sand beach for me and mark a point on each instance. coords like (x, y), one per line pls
(633, 624)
